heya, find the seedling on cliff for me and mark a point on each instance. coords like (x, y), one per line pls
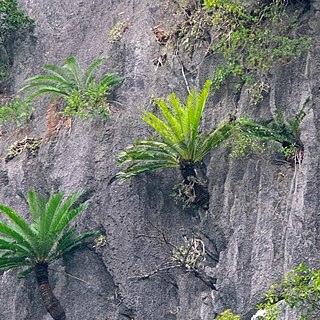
(83, 94)
(180, 143)
(33, 246)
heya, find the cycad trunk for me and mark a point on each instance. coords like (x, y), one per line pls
(190, 177)
(52, 304)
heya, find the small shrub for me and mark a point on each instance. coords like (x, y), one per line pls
(251, 42)
(227, 315)
(300, 290)
(82, 94)
(191, 255)
(251, 136)
(16, 111)
(12, 19)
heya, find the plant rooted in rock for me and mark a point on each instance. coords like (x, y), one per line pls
(34, 245)
(300, 290)
(16, 111)
(83, 95)
(251, 136)
(30, 144)
(191, 255)
(12, 20)
(227, 315)
(252, 40)
(118, 31)
(181, 144)
(186, 193)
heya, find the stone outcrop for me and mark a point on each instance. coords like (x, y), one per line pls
(262, 220)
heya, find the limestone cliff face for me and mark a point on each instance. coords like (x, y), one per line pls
(263, 218)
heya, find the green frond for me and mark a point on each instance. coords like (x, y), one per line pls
(48, 214)
(195, 106)
(60, 72)
(63, 211)
(67, 218)
(148, 150)
(158, 125)
(70, 242)
(24, 273)
(7, 263)
(88, 75)
(213, 140)
(59, 242)
(17, 237)
(48, 89)
(138, 169)
(181, 114)
(37, 205)
(48, 79)
(264, 132)
(20, 223)
(73, 66)
(13, 247)
(295, 122)
(171, 119)
(111, 80)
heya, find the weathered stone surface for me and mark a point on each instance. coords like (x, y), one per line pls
(263, 218)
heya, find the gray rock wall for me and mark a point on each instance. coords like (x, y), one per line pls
(263, 218)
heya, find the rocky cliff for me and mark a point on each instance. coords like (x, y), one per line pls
(262, 220)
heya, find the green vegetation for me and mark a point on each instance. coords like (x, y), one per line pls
(12, 19)
(252, 136)
(190, 255)
(227, 315)
(84, 96)
(30, 144)
(49, 235)
(181, 145)
(300, 290)
(117, 31)
(16, 111)
(251, 42)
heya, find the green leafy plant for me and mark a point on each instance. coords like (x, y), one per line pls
(45, 238)
(227, 315)
(180, 143)
(252, 41)
(84, 96)
(190, 255)
(12, 19)
(31, 144)
(300, 290)
(16, 111)
(251, 136)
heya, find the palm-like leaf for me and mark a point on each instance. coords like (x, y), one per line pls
(68, 78)
(267, 131)
(46, 238)
(88, 76)
(181, 141)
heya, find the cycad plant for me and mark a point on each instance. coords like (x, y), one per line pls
(180, 143)
(83, 93)
(250, 134)
(47, 237)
